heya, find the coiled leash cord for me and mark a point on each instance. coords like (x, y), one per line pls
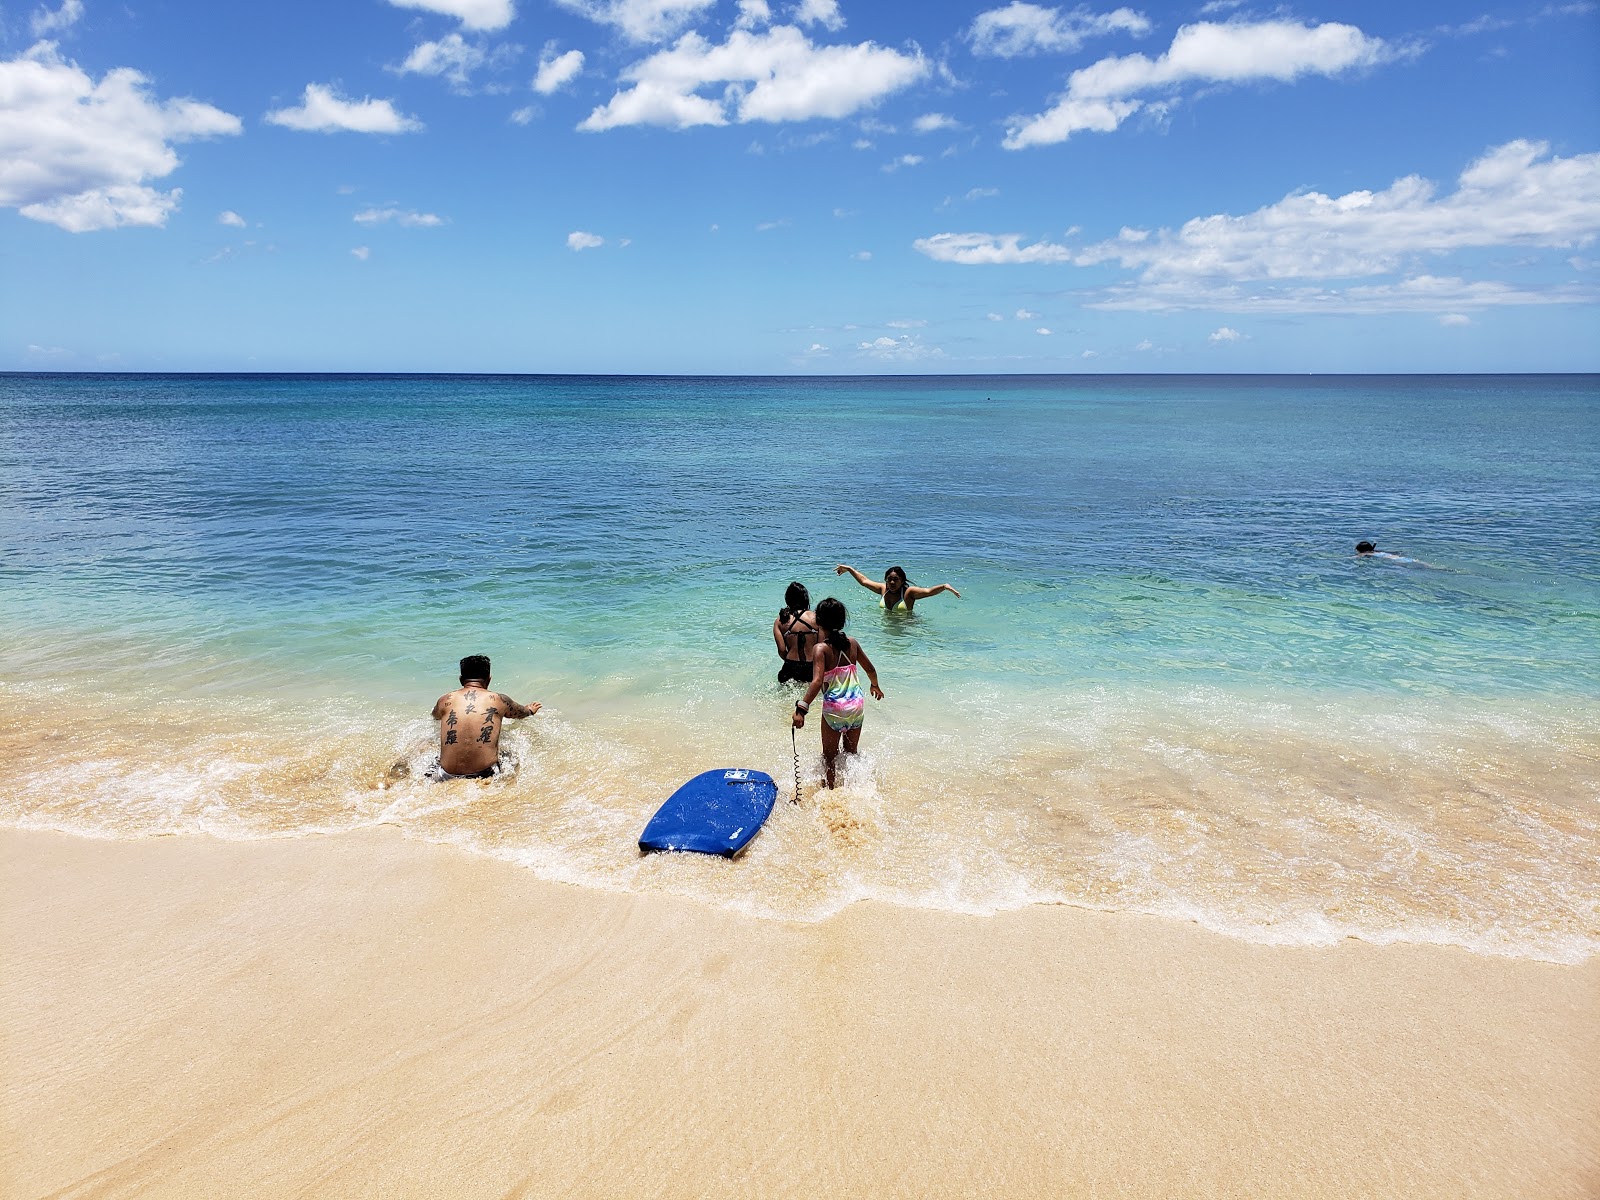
(795, 799)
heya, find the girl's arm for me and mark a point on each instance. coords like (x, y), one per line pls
(818, 662)
(866, 663)
(872, 585)
(777, 636)
(922, 593)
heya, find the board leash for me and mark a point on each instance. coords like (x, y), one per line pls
(795, 799)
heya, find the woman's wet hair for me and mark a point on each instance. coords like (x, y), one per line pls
(831, 616)
(795, 601)
(475, 666)
(1365, 547)
(900, 571)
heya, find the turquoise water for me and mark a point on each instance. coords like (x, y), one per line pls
(1168, 686)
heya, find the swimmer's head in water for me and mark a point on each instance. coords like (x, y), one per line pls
(895, 577)
(831, 616)
(796, 598)
(475, 667)
(1365, 547)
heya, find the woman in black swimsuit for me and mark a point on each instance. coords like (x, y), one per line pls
(796, 632)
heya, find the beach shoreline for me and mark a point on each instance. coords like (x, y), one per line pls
(364, 1015)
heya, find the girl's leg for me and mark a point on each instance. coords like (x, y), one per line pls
(852, 740)
(830, 749)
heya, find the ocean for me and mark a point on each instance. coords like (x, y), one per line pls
(1169, 686)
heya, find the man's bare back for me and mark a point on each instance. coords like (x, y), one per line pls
(469, 726)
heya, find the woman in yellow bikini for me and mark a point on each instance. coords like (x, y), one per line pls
(896, 593)
(836, 660)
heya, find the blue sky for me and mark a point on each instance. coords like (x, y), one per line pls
(820, 186)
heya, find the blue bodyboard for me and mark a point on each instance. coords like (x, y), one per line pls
(716, 812)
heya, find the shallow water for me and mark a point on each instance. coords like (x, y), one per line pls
(227, 604)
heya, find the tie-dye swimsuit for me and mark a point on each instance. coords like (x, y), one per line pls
(843, 705)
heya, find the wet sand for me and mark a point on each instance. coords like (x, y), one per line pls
(362, 1015)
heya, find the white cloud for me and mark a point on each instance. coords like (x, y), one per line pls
(323, 110)
(908, 324)
(525, 114)
(640, 20)
(362, 252)
(1090, 354)
(1101, 96)
(1021, 29)
(77, 153)
(1024, 315)
(909, 348)
(1514, 195)
(1225, 335)
(557, 70)
(1454, 320)
(970, 249)
(45, 22)
(753, 14)
(485, 15)
(1042, 331)
(817, 348)
(776, 75)
(1146, 344)
(994, 316)
(905, 160)
(933, 122)
(579, 240)
(453, 57)
(819, 12)
(229, 217)
(862, 256)
(411, 220)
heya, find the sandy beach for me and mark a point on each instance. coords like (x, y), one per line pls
(364, 1015)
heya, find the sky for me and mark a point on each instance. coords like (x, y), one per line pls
(827, 187)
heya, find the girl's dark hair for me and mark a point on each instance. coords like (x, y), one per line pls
(1365, 547)
(900, 571)
(795, 601)
(831, 615)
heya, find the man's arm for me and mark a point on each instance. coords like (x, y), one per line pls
(517, 711)
(440, 705)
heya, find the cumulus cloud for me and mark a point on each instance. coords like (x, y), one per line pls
(1454, 320)
(1224, 335)
(753, 14)
(78, 154)
(399, 216)
(862, 256)
(640, 20)
(1021, 29)
(933, 122)
(819, 12)
(776, 75)
(1024, 315)
(362, 252)
(452, 57)
(1515, 195)
(323, 110)
(46, 21)
(556, 70)
(579, 240)
(905, 160)
(1101, 96)
(909, 348)
(485, 15)
(229, 217)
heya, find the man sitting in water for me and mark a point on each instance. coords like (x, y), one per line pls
(469, 724)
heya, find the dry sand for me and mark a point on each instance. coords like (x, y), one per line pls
(366, 1016)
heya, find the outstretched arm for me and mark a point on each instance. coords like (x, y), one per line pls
(517, 711)
(872, 585)
(872, 671)
(922, 593)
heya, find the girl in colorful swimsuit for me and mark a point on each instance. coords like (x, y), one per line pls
(896, 593)
(796, 633)
(836, 661)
